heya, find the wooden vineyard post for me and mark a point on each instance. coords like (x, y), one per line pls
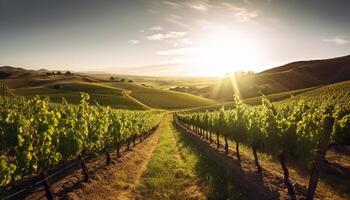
(47, 186)
(210, 137)
(237, 151)
(118, 149)
(217, 140)
(226, 144)
(128, 145)
(288, 184)
(108, 157)
(84, 168)
(320, 157)
(256, 159)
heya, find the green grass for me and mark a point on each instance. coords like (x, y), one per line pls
(178, 163)
(164, 99)
(167, 175)
(104, 95)
(91, 88)
(216, 181)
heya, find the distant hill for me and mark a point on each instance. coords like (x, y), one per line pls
(326, 71)
(292, 76)
(14, 72)
(295, 76)
(115, 93)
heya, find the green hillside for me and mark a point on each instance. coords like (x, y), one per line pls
(289, 77)
(71, 92)
(158, 98)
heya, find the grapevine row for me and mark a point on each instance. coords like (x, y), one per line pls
(299, 130)
(36, 134)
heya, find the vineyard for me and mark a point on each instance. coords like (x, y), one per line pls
(299, 129)
(36, 134)
(175, 100)
(40, 138)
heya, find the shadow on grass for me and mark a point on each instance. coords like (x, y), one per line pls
(222, 177)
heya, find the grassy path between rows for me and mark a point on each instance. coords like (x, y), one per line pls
(178, 169)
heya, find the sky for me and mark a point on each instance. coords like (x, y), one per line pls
(171, 38)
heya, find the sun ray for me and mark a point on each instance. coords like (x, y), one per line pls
(235, 86)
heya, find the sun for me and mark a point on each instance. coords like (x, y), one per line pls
(226, 51)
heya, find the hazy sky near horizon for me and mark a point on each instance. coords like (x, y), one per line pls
(168, 37)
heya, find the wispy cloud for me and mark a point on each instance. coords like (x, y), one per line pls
(156, 28)
(163, 36)
(177, 20)
(178, 51)
(133, 42)
(337, 40)
(242, 14)
(199, 5)
(171, 4)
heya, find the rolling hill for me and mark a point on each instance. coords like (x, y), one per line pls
(117, 94)
(159, 98)
(289, 77)
(294, 95)
(175, 93)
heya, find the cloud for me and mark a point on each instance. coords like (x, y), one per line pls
(133, 42)
(181, 42)
(179, 51)
(337, 40)
(177, 20)
(199, 5)
(240, 13)
(171, 4)
(163, 36)
(156, 28)
(186, 41)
